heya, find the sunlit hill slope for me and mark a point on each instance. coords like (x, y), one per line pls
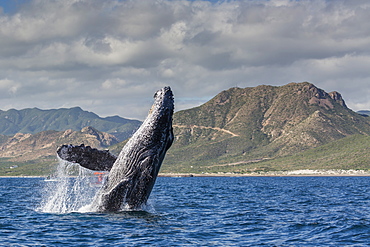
(241, 127)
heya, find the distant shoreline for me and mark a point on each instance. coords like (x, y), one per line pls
(254, 175)
(294, 173)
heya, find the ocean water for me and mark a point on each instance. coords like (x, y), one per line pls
(194, 211)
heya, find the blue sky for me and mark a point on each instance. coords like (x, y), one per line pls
(110, 57)
(11, 6)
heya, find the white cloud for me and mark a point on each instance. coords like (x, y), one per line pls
(111, 56)
(8, 88)
(113, 84)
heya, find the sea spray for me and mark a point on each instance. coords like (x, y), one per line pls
(70, 189)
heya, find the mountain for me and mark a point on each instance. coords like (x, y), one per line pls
(241, 126)
(364, 112)
(37, 152)
(34, 120)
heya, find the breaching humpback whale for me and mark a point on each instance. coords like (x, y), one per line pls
(133, 173)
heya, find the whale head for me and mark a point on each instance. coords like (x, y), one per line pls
(161, 115)
(156, 133)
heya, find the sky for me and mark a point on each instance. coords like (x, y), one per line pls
(109, 57)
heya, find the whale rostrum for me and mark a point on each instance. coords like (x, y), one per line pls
(133, 173)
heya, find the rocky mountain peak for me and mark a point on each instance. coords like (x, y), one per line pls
(319, 97)
(90, 130)
(337, 97)
(105, 138)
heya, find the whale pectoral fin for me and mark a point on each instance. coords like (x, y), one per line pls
(90, 158)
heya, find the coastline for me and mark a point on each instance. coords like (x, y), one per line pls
(294, 173)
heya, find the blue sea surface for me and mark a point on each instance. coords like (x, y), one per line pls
(200, 211)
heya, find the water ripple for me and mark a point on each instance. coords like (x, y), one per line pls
(302, 211)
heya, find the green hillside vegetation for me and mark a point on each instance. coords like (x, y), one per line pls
(352, 152)
(34, 120)
(28, 168)
(349, 153)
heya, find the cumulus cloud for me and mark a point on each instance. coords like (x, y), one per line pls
(111, 56)
(8, 87)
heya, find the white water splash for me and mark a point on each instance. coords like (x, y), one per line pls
(71, 190)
